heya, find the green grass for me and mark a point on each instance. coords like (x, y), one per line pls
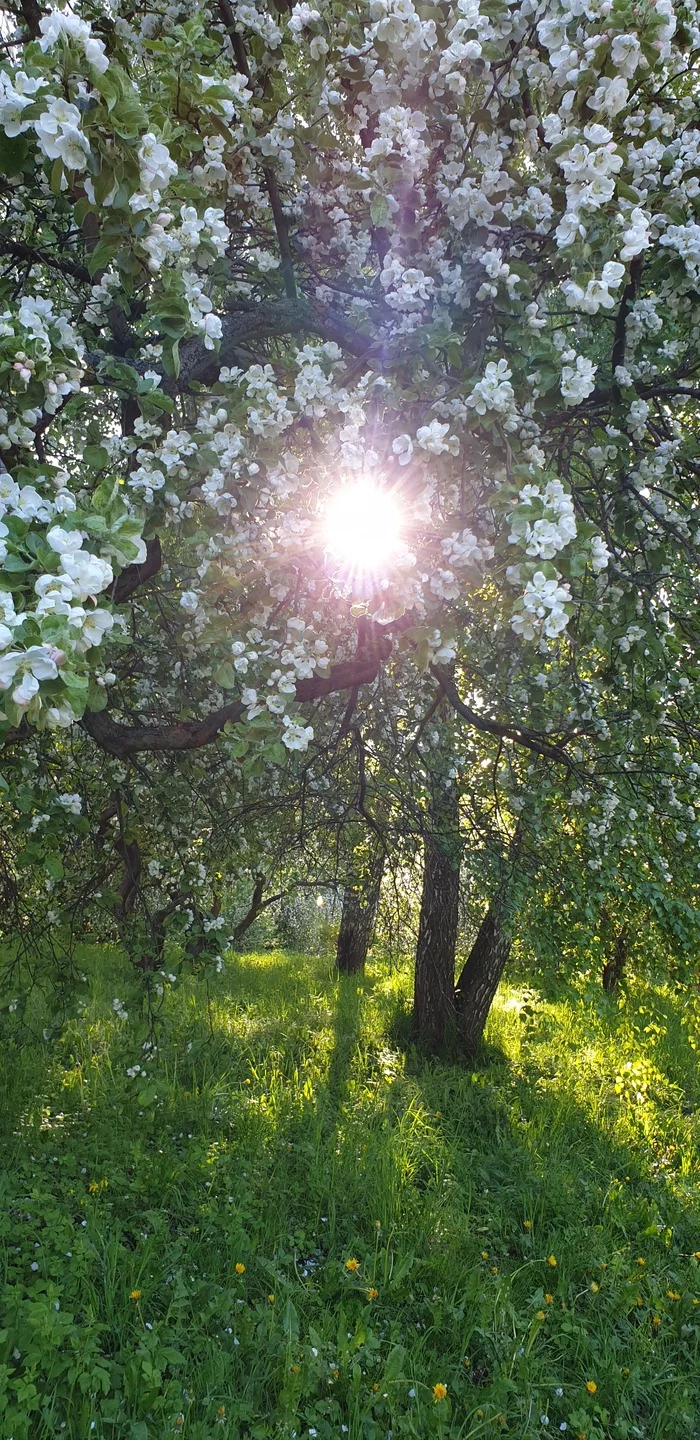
(285, 1127)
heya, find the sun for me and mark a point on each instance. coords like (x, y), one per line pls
(362, 525)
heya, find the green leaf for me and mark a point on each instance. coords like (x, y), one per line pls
(225, 676)
(54, 865)
(96, 457)
(56, 177)
(379, 210)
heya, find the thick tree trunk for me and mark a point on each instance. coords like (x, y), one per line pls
(360, 904)
(434, 993)
(479, 979)
(614, 967)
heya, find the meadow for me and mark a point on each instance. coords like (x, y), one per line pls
(286, 1223)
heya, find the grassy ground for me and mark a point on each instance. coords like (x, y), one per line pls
(291, 1227)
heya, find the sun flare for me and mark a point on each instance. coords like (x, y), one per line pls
(363, 524)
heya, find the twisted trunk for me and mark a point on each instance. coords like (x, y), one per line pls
(479, 980)
(360, 904)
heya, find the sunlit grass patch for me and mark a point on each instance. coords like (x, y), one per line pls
(286, 1221)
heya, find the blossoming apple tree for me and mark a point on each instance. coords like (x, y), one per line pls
(447, 254)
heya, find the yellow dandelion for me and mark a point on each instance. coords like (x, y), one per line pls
(640, 1261)
(494, 1269)
(540, 1315)
(625, 1370)
(527, 1224)
(479, 1414)
(595, 1288)
(552, 1260)
(220, 1411)
(484, 1254)
(271, 1298)
(372, 1293)
(549, 1299)
(240, 1268)
(439, 1391)
(696, 1254)
(672, 1295)
(656, 1320)
(295, 1369)
(640, 1302)
(352, 1265)
(135, 1295)
(591, 1387)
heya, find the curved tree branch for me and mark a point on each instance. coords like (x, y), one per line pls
(122, 740)
(135, 575)
(530, 739)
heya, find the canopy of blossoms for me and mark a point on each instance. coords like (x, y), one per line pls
(254, 255)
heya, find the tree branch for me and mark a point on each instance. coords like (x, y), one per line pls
(123, 740)
(135, 575)
(530, 739)
(19, 251)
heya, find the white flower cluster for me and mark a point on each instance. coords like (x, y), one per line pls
(685, 240)
(202, 237)
(541, 610)
(27, 668)
(577, 377)
(156, 170)
(597, 294)
(544, 522)
(496, 394)
(60, 136)
(63, 25)
(204, 321)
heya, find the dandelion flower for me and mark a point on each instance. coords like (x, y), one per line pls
(595, 1288)
(549, 1299)
(484, 1254)
(240, 1268)
(527, 1224)
(640, 1261)
(439, 1391)
(656, 1320)
(552, 1260)
(271, 1298)
(591, 1387)
(541, 1315)
(352, 1265)
(372, 1293)
(135, 1295)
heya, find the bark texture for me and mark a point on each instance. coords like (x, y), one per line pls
(479, 979)
(614, 967)
(360, 904)
(434, 994)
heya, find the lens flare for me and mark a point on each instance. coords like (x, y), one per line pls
(362, 527)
